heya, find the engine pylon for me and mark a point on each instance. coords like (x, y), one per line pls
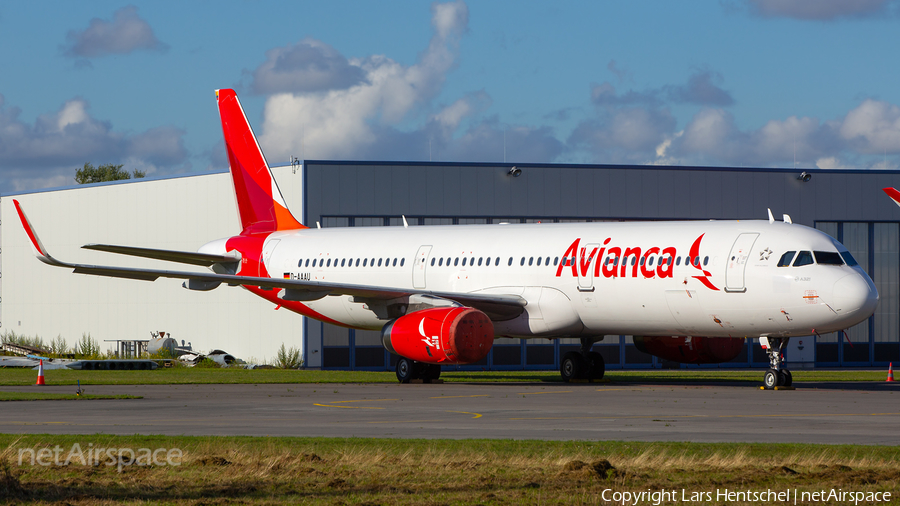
(40, 379)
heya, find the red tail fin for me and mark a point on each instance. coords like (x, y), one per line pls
(260, 203)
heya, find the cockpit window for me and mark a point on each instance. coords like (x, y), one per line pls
(803, 258)
(786, 258)
(849, 258)
(828, 258)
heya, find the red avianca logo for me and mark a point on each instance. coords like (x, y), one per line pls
(621, 262)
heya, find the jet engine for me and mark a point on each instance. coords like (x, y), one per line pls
(447, 335)
(691, 349)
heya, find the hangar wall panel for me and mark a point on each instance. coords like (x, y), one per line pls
(180, 214)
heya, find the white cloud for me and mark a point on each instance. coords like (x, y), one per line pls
(47, 153)
(821, 10)
(346, 122)
(126, 32)
(831, 162)
(872, 127)
(309, 65)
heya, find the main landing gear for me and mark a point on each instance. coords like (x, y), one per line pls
(584, 365)
(408, 370)
(776, 375)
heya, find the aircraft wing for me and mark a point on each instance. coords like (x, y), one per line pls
(499, 307)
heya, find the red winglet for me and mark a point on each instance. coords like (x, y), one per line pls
(893, 194)
(35, 242)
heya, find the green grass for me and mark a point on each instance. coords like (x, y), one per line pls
(253, 470)
(184, 375)
(47, 396)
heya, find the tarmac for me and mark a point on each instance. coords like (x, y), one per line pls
(822, 412)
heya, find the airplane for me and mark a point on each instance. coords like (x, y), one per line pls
(687, 291)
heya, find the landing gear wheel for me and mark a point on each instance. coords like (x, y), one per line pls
(597, 366)
(572, 366)
(772, 379)
(786, 378)
(407, 370)
(431, 372)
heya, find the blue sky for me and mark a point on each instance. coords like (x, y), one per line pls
(770, 83)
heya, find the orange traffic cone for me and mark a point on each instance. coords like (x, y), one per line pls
(891, 372)
(40, 380)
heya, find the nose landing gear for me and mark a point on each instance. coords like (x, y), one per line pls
(776, 375)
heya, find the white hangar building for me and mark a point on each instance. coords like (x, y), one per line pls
(183, 213)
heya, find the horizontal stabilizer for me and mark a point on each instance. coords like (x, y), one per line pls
(184, 257)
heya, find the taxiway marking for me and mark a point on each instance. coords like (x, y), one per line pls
(458, 396)
(477, 415)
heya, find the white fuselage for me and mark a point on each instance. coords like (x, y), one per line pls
(734, 288)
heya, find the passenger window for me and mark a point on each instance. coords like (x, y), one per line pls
(522, 262)
(394, 264)
(785, 260)
(364, 261)
(328, 263)
(357, 262)
(403, 260)
(696, 261)
(849, 258)
(432, 262)
(497, 262)
(530, 261)
(456, 261)
(650, 261)
(379, 262)
(828, 258)
(300, 263)
(678, 261)
(479, 261)
(539, 261)
(803, 258)
(555, 261)
(705, 261)
(510, 261)
(342, 262)
(440, 262)
(464, 261)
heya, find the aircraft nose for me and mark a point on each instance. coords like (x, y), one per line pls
(855, 294)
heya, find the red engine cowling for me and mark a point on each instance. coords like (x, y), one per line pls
(452, 335)
(691, 349)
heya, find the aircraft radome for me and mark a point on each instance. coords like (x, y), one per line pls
(688, 291)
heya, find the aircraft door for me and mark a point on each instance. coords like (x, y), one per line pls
(585, 265)
(736, 262)
(419, 265)
(268, 249)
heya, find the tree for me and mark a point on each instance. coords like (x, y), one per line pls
(108, 172)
